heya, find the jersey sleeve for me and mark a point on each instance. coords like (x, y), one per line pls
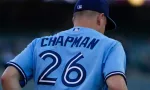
(115, 63)
(24, 63)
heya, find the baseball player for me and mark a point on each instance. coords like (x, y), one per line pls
(80, 58)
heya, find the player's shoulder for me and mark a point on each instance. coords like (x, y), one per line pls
(103, 38)
(110, 42)
(111, 45)
(105, 41)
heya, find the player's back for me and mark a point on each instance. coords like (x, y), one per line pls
(71, 60)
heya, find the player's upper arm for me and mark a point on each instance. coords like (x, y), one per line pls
(116, 82)
(114, 68)
(11, 72)
(24, 63)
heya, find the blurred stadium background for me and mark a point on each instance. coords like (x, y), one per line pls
(23, 20)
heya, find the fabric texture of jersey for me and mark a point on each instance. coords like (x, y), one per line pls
(76, 59)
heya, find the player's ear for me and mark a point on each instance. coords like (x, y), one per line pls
(99, 19)
(104, 18)
(73, 19)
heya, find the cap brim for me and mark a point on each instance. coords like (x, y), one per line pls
(111, 25)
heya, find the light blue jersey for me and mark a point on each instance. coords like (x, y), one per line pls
(76, 59)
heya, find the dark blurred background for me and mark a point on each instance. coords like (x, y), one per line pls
(23, 20)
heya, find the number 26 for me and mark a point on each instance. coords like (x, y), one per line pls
(71, 66)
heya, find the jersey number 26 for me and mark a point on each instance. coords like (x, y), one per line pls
(71, 66)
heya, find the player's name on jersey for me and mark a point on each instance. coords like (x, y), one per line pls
(86, 42)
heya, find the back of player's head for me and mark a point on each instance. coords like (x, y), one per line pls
(100, 6)
(86, 13)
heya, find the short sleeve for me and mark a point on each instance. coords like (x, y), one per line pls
(24, 63)
(115, 63)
